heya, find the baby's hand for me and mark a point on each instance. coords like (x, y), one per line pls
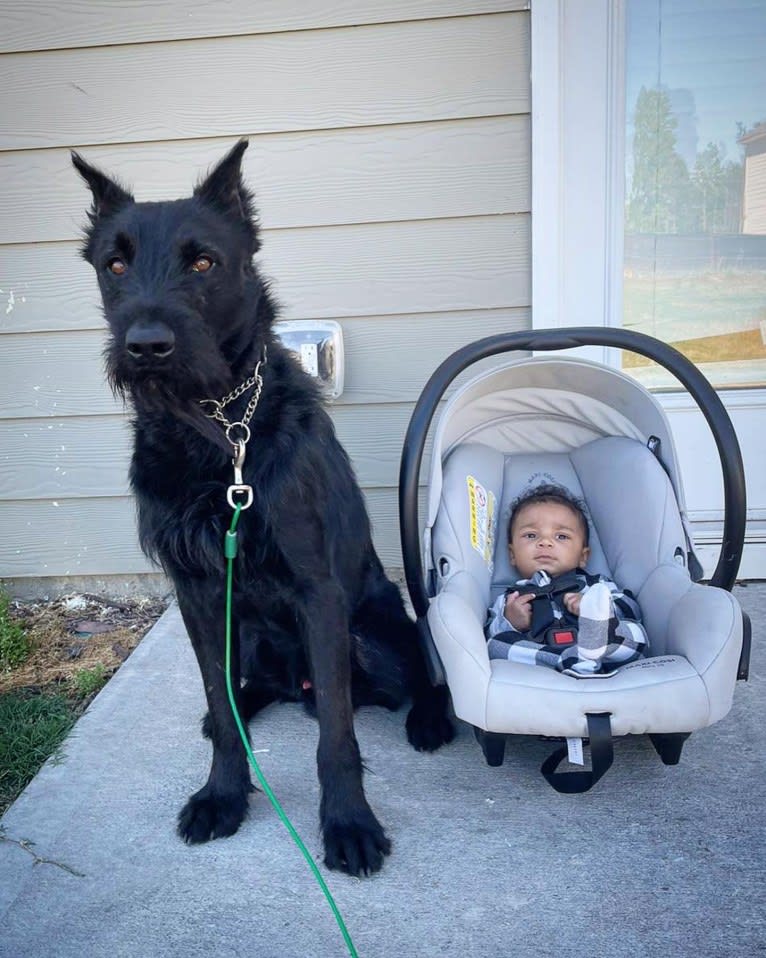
(518, 610)
(572, 602)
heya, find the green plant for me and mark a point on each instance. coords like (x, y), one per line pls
(86, 682)
(15, 644)
(32, 726)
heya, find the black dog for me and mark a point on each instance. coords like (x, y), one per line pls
(191, 321)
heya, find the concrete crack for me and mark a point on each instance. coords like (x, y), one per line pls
(27, 845)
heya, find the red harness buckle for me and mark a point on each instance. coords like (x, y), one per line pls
(560, 638)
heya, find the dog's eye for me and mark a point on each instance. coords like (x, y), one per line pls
(117, 266)
(202, 264)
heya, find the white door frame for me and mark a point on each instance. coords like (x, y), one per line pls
(577, 163)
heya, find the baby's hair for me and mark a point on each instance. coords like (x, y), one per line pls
(550, 493)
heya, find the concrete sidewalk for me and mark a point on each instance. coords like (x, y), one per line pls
(655, 861)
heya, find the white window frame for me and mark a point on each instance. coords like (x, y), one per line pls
(578, 162)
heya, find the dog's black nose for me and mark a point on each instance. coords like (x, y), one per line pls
(147, 342)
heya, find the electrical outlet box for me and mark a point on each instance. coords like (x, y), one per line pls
(318, 344)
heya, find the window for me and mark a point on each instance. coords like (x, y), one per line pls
(695, 185)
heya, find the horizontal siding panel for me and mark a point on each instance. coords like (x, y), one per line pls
(70, 458)
(371, 269)
(45, 287)
(391, 360)
(97, 536)
(373, 436)
(366, 75)
(383, 507)
(79, 23)
(79, 458)
(54, 375)
(70, 537)
(387, 360)
(424, 266)
(417, 171)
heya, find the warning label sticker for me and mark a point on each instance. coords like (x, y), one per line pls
(483, 519)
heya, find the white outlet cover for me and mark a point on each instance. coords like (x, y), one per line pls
(318, 344)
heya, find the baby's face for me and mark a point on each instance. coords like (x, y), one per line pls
(549, 536)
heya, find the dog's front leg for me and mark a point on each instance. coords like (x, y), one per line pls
(219, 807)
(354, 840)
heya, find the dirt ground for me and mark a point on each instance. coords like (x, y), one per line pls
(78, 632)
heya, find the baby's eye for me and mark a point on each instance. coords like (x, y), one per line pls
(529, 535)
(563, 536)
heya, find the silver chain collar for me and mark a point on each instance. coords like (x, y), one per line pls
(238, 433)
(256, 380)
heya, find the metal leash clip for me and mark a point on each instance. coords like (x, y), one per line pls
(239, 487)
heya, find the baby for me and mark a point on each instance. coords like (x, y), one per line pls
(559, 615)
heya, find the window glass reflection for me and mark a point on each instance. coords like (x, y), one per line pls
(695, 198)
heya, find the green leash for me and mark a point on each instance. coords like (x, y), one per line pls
(230, 552)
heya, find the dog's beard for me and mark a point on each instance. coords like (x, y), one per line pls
(173, 391)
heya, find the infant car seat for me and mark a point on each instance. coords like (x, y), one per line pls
(601, 435)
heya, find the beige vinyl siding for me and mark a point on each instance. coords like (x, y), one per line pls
(329, 177)
(311, 79)
(390, 162)
(41, 25)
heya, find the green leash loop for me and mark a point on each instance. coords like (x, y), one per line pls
(230, 552)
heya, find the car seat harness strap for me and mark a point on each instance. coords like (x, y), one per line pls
(543, 618)
(601, 757)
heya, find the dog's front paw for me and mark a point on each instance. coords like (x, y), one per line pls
(428, 724)
(207, 815)
(358, 847)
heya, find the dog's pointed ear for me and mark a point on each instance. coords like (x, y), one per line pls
(223, 187)
(108, 195)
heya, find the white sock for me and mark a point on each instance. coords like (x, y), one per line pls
(597, 622)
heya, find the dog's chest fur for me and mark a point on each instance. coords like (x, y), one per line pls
(180, 479)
